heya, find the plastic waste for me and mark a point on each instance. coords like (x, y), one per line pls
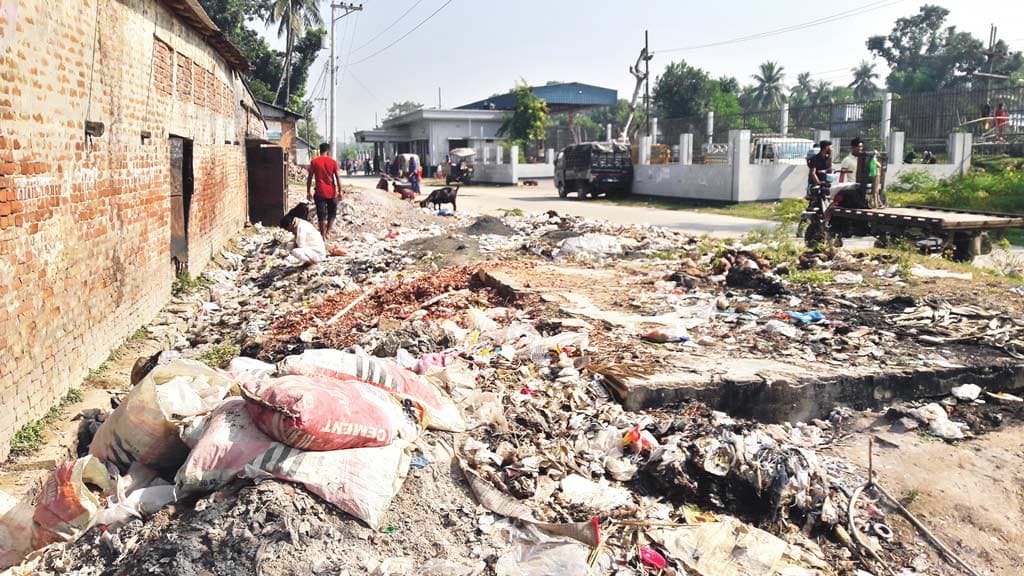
(938, 422)
(478, 320)
(967, 392)
(250, 366)
(598, 496)
(66, 507)
(650, 558)
(663, 335)
(540, 351)
(807, 317)
(588, 247)
(640, 440)
(778, 327)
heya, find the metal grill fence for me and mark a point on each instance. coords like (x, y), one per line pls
(926, 119)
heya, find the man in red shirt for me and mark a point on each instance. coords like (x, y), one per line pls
(324, 169)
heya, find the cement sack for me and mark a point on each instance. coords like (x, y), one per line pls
(360, 481)
(15, 530)
(66, 507)
(327, 414)
(441, 413)
(144, 427)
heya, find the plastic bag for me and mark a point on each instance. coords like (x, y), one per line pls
(65, 508)
(441, 412)
(244, 366)
(663, 335)
(327, 414)
(540, 350)
(226, 442)
(588, 247)
(143, 428)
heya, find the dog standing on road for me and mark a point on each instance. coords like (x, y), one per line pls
(441, 196)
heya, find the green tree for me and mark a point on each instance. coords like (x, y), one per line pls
(682, 91)
(528, 121)
(399, 108)
(925, 55)
(293, 18)
(821, 93)
(803, 87)
(863, 84)
(769, 91)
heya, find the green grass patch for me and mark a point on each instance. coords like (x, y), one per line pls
(186, 284)
(781, 211)
(219, 356)
(811, 277)
(29, 438)
(140, 334)
(511, 212)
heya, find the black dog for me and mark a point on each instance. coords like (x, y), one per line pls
(440, 196)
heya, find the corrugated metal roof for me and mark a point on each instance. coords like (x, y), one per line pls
(572, 95)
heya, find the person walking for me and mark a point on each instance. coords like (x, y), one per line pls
(1002, 119)
(325, 171)
(414, 174)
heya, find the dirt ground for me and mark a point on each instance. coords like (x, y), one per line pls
(970, 494)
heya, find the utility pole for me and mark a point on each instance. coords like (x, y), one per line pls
(647, 85)
(438, 97)
(346, 9)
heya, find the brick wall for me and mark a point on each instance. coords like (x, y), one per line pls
(85, 223)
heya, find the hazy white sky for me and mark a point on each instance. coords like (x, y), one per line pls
(474, 48)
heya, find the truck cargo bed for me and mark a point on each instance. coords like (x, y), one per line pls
(934, 218)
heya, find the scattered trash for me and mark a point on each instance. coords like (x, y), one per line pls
(922, 272)
(938, 422)
(67, 506)
(807, 317)
(661, 336)
(588, 247)
(779, 327)
(968, 392)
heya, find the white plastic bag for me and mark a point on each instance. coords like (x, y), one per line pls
(244, 366)
(144, 427)
(588, 247)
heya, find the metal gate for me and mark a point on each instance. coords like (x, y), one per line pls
(181, 200)
(268, 186)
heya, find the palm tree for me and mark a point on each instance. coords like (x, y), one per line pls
(821, 92)
(769, 90)
(863, 80)
(803, 85)
(292, 18)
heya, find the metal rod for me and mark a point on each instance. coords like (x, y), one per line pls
(348, 8)
(647, 84)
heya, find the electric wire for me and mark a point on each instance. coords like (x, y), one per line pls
(403, 36)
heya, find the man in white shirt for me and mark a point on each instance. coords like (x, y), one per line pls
(308, 247)
(848, 172)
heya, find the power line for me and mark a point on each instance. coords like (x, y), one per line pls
(809, 24)
(390, 26)
(403, 36)
(367, 89)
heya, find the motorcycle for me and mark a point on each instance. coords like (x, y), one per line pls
(817, 223)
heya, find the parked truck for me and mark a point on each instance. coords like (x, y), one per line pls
(594, 168)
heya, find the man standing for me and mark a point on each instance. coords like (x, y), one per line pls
(848, 172)
(1002, 119)
(324, 169)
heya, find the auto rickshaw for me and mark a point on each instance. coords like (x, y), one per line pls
(460, 168)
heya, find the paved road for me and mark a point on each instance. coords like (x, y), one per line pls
(493, 199)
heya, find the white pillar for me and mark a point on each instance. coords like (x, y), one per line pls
(513, 157)
(711, 126)
(654, 130)
(960, 151)
(686, 149)
(784, 119)
(886, 117)
(895, 148)
(644, 154)
(499, 154)
(608, 132)
(739, 159)
(549, 155)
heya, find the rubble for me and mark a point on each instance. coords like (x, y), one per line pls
(521, 459)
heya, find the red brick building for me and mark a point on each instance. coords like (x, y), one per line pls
(123, 131)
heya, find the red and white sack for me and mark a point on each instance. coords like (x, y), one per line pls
(227, 441)
(360, 481)
(65, 508)
(441, 412)
(326, 414)
(144, 427)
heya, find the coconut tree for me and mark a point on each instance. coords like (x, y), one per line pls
(802, 89)
(821, 93)
(863, 84)
(292, 17)
(769, 91)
